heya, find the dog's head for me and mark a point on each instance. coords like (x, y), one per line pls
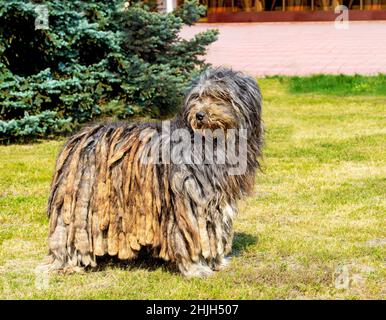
(221, 98)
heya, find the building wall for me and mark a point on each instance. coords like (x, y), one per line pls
(283, 10)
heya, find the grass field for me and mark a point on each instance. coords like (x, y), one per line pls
(315, 227)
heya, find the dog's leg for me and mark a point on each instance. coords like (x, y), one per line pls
(224, 235)
(204, 232)
(64, 258)
(190, 266)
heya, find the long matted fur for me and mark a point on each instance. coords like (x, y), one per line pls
(106, 200)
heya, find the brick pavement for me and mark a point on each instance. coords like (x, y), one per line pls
(299, 48)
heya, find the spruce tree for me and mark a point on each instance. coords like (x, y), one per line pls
(95, 57)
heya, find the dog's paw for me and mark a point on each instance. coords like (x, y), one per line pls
(222, 264)
(52, 265)
(198, 271)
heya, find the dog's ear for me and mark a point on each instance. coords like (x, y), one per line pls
(250, 92)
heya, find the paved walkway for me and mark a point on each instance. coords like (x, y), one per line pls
(298, 48)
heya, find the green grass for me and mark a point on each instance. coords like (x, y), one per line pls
(341, 85)
(319, 208)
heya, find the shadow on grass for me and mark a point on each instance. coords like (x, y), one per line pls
(145, 261)
(242, 241)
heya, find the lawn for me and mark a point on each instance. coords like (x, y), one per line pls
(315, 227)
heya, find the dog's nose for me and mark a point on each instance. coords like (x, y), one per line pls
(200, 115)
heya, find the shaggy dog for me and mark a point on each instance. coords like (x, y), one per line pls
(119, 189)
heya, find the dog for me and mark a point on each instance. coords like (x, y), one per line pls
(113, 193)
